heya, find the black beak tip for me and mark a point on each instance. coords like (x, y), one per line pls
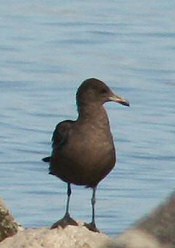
(126, 103)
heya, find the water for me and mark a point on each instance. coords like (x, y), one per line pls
(47, 48)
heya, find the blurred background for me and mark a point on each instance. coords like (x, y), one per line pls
(47, 48)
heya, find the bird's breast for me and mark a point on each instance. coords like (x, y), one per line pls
(87, 157)
(92, 153)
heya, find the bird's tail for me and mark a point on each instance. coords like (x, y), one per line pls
(46, 159)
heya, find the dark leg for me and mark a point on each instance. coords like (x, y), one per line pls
(68, 198)
(66, 220)
(93, 201)
(92, 226)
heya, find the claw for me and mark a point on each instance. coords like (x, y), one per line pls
(91, 226)
(65, 221)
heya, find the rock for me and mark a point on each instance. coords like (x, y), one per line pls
(157, 230)
(154, 231)
(69, 237)
(161, 223)
(8, 226)
(137, 239)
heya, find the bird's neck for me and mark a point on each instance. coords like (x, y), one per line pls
(93, 114)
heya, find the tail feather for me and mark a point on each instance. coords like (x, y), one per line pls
(46, 159)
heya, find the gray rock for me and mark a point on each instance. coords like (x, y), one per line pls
(137, 239)
(157, 230)
(161, 223)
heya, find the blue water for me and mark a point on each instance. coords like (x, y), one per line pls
(47, 48)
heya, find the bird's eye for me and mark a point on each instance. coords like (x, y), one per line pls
(103, 91)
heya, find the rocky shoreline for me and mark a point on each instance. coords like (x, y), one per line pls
(154, 231)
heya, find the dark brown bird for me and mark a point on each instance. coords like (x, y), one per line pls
(83, 151)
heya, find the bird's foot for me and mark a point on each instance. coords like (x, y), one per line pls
(65, 221)
(91, 226)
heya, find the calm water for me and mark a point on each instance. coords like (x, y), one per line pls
(47, 48)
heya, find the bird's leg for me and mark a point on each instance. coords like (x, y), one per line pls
(68, 199)
(93, 201)
(66, 220)
(92, 226)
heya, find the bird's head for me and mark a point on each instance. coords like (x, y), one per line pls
(93, 90)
